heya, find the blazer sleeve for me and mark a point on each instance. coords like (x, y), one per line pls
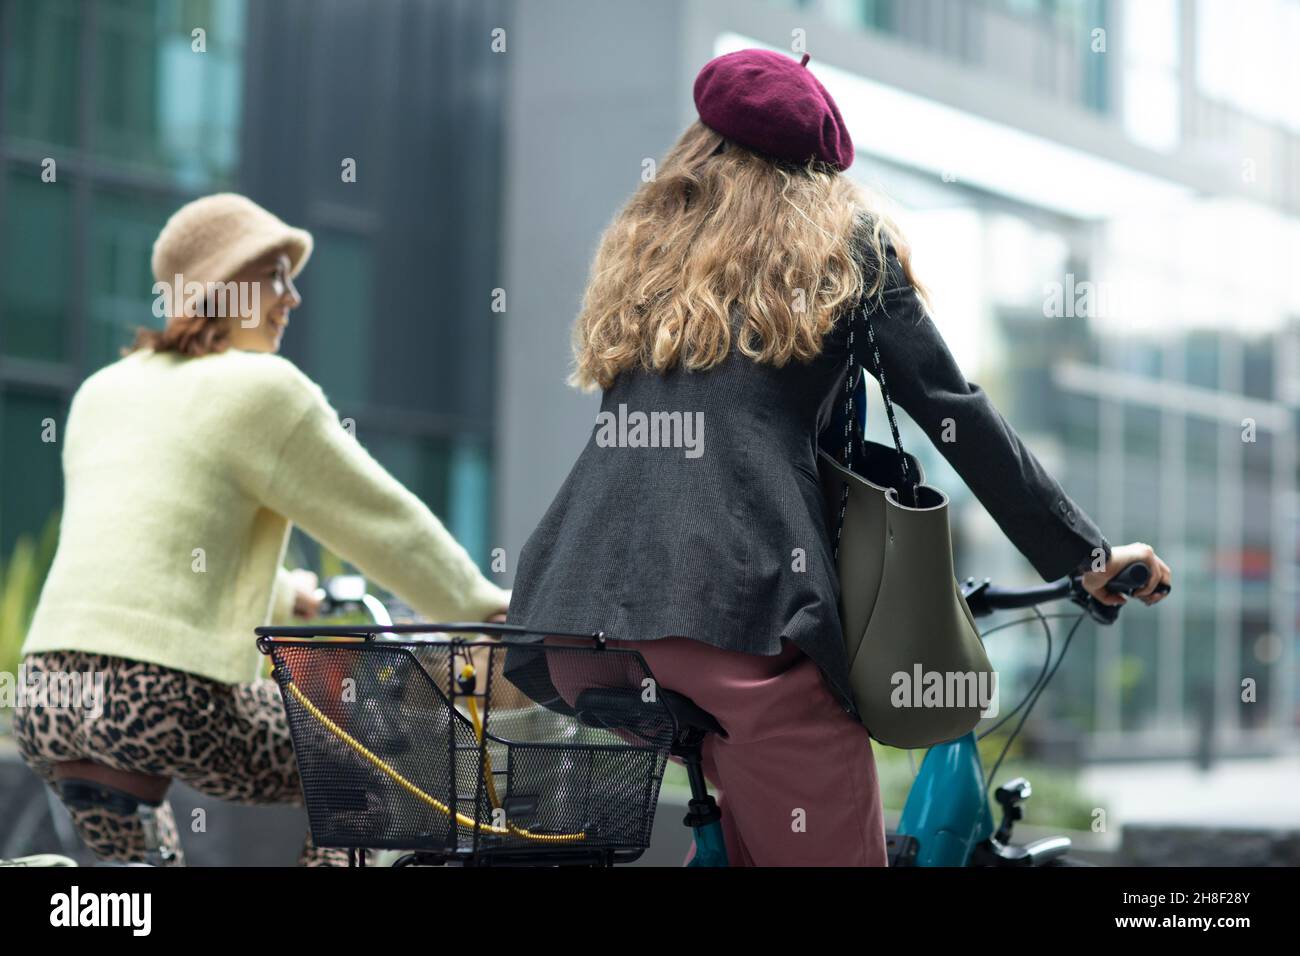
(1031, 508)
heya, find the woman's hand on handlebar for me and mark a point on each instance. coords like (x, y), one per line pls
(1094, 582)
(306, 602)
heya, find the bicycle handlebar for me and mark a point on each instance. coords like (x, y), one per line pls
(983, 598)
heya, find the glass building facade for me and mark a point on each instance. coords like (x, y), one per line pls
(155, 102)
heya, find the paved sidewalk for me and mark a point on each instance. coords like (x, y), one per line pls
(1255, 792)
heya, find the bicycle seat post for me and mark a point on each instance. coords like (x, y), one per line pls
(703, 809)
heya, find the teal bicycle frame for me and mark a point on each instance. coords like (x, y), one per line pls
(947, 810)
(709, 848)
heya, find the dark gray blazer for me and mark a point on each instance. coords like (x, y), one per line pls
(725, 541)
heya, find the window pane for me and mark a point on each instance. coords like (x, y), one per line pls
(124, 227)
(1259, 511)
(337, 299)
(1141, 483)
(1202, 445)
(422, 464)
(37, 248)
(161, 103)
(1201, 509)
(31, 483)
(452, 478)
(1258, 357)
(1203, 359)
(1198, 653)
(1249, 62)
(1259, 652)
(1138, 668)
(1142, 432)
(470, 500)
(40, 71)
(1082, 429)
(1257, 455)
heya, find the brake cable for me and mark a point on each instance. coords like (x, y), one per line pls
(1040, 616)
(1047, 631)
(1015, 710)
(1036, 690)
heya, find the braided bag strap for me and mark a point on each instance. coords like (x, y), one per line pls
(863, 315)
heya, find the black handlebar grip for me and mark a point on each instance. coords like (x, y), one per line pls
(1133, 578)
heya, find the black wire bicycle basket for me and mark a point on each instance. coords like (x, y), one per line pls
(467, 750)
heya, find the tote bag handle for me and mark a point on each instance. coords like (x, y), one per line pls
(851, 426)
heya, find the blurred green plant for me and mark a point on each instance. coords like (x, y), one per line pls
(22, 574)
(1058, 799)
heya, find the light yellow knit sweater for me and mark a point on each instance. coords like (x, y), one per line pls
(182, 476)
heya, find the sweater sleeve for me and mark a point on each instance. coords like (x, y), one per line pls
(1031, 508)
(328, 484)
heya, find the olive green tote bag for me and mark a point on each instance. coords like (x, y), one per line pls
(917, 666)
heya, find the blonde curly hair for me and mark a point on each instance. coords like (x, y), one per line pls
(722, 230)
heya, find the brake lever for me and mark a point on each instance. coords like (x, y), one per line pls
(1131, 579)
(1105, 614)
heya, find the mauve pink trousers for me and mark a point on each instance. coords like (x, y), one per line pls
(795, 776)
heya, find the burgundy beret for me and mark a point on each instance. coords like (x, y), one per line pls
(773, 105)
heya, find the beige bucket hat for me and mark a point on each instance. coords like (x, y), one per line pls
(211, 239)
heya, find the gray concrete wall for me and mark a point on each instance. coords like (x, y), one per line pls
(595, 88)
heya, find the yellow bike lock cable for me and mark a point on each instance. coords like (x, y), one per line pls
(391, 772)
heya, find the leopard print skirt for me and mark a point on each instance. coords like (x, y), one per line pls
(229, 741)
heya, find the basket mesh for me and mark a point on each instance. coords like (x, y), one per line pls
(386, 745)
